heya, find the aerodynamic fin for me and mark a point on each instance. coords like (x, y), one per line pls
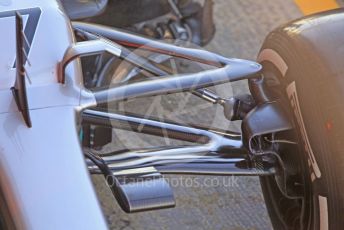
(19, 88)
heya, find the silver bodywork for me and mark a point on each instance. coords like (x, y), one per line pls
(43, 172)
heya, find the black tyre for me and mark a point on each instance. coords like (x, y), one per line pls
(304, 67)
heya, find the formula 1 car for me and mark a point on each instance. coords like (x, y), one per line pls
(291, 130)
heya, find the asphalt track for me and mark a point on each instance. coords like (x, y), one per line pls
(223, 203)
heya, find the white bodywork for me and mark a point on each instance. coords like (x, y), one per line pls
(42, 169)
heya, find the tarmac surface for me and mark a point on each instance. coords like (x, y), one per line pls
(231, 203)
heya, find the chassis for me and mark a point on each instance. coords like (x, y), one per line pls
(134, 176)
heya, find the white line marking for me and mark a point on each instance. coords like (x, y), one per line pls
(323, 213)
(274, 58)
(292, 94)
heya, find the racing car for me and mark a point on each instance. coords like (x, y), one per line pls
(291, 122)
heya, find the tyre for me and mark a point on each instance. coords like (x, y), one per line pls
(303, 67)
